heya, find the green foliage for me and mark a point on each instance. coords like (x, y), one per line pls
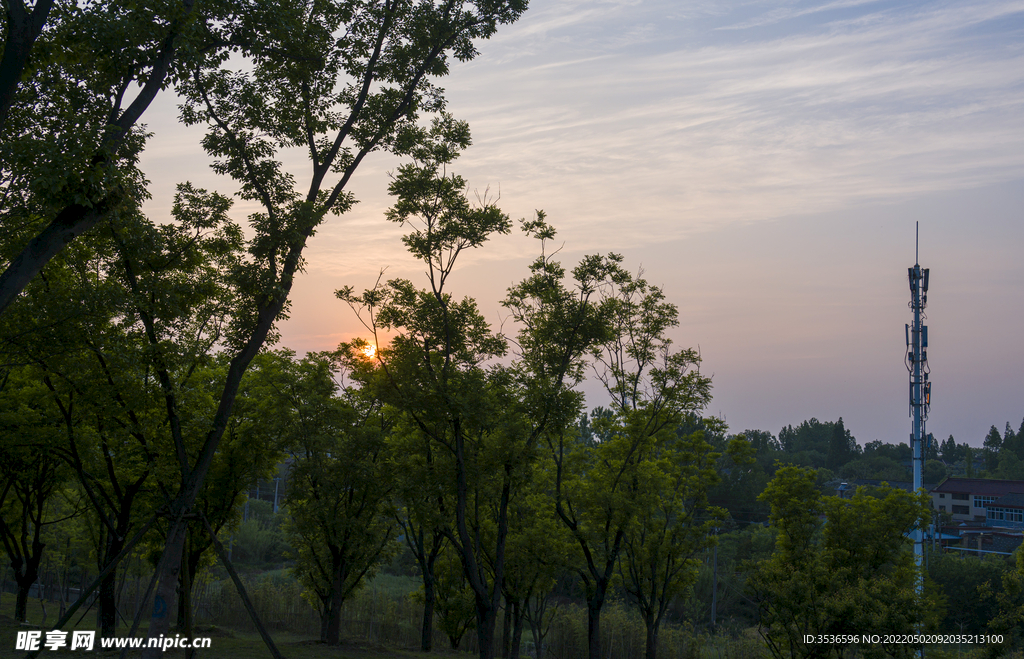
(455, 602)
(674, 522)
(843, 575)
(339, 492)
(735, 550)
(992, 443)
(1008, 618)
(636, 484)
(260, 540)
(33, 496)
(876, 467)
(966, 582)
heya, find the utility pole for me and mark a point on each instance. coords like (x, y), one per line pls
(920, 387)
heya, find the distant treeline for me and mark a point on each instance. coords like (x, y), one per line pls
(831, 448)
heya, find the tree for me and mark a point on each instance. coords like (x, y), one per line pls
(991, 445)
(455, 601)
(604, 488)
(841, 446)
(339, 495)
(142, 285)
(484, 421)
(1008, 618)
(537, 553)
(852, 572)
(422, 500)
(949, 451)
(818, 444)
(959, 579)
(340, 80)
(433, 370)
(70, 140)
(658, 560)
(1013, 441)
(762, 441)
(934, 472)
(31, 477)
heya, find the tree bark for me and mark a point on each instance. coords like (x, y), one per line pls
(112, 546)
(21, 602)
(23, 29)
(427, 629)
(334, 611)
(166, 598)
(185, 601)
(26, 573)
(594, 605)
(108, 606)
(651, 650)
(506, 629)
(517, 629)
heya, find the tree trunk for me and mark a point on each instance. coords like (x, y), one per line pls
(334, 624)
(652, 638)
(517, 629)
(107, 614)
(23, 29)
(166, 598)
(108, 605)
(185, 601)
(324, 618)
(594, 627)
(21, 602)
(333, 636)
(485, 632)
(427, 630)
(26, 573)
(506, 629)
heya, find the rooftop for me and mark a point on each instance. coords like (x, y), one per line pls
(982, 486)
(1013, 500)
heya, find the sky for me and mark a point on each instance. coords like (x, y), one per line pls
(764, 163)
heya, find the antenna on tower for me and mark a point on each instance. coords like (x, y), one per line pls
(920, 387)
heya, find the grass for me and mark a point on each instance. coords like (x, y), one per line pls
(226, 643)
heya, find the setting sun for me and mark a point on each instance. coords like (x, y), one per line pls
(370, 351)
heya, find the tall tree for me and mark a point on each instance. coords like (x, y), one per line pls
(71, 135)
(31, 477)
(658, 559)
(949, 451)
(850, 573)
(423, 503)
(339, 80)
(603, 487)
(841, 446)
(339, 497)
(990, 447)
(485, 421)
(434, 368)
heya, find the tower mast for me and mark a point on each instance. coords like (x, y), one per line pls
(920, 387)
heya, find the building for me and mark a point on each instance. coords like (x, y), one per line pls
(1006, 512)
(968, 499)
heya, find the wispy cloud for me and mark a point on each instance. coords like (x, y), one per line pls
(671, 137)
(780, 14)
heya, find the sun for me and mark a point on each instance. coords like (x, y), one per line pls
(370, 351)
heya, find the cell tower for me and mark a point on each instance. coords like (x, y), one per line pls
(920, 387)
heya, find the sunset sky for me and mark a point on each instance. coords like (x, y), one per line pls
(764, 162)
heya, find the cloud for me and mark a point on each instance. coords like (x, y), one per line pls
(671, 135)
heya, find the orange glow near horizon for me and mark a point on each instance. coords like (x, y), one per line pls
(370, 351)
